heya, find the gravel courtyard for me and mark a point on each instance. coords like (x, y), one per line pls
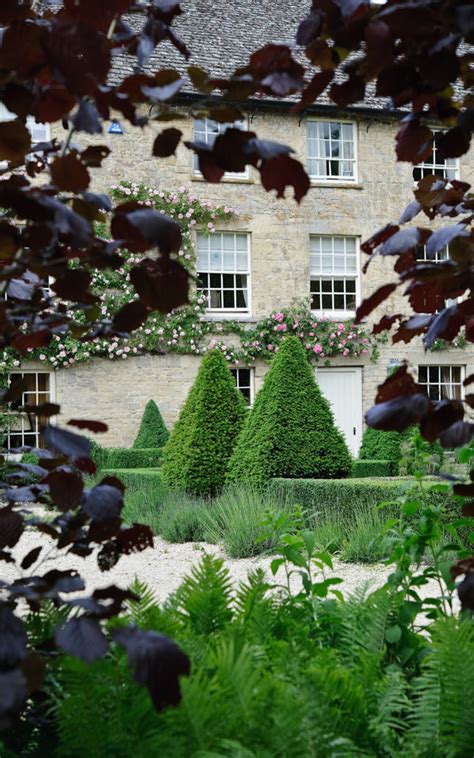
(164, 566)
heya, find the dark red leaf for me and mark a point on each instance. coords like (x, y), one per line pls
(443, 415)
(113, 481)
(54, 103)
(141, 228)
(166, 142)
(33, 669)
(69, 173)
(468, 509)
(445, 325)
(157, 663)
(457, 435)
(397, 415)
(12, 638)
(276, 70)
(466, 592)
(130, 317)
(12, 527)
(413, 142)
(66, 442)
(453, 143)
(162, 284)
(15, 140)
(45, 410)
(94, 155)
(282, 172)
(67, 580)
(350, 91)
(86, 118)
(312, 91)
(83, 638)
(22, 342)
(443, 237)
(398, 383)
(31, 557)
(103, 502)
(377, 239)
(109, 556)
(91, 425)
(386, 322)
(166, 83)
(370, 303)
(410, 212)
(65, 489)
(135, 539)
(80, 53)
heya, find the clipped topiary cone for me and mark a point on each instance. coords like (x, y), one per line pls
(152, 432)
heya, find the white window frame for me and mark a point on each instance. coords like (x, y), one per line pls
(439, 384)
(235, 373)
(335, 313)
(209, 310)
(337, 180)
(52, 398)
(221, 129)
(427, 168)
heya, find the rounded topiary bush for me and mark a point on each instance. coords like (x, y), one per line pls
(395, 446)
(196, 456)
(290, 431)
(152, 432)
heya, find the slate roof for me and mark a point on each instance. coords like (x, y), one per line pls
(221, 34)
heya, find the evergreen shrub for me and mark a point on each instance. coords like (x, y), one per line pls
(367, 468)
(395, 446)
(122, 457)
(290, 431)
(320, 498)
(196, 456)
(153, 432)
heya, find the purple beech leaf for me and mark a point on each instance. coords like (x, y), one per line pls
(66, 442)
(13, 639)
(103, 502)
(443, 237)
(157, 663)
(83, 638)
(398, 414)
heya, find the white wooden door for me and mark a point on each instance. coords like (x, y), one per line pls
(343, 389)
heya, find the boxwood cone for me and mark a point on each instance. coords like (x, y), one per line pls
(153, 432)
(197, 453)
(290, 431)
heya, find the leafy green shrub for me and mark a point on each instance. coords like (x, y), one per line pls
(122, 457)
(370, 468)
(320, 498)
(196, 455)
(180, 518)
(136, 478)
(153, 432)
(290, 431)
(397, 447)
(351, 688)
(236, 519)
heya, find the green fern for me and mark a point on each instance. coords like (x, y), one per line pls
(443, 717)
(204, 597)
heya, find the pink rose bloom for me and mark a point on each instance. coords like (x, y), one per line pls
(331, 344)
(317, 349)
(364, 352)
(343, 342)
(269, 347)
(301, 335)
(315, 326)
(308, 346)
(332, 336)
(322, 355)
(345, 352)
(279, 316)
(341, 327)
(311, 334)
(365, 342)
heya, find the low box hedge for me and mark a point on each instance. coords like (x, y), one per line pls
(130, 458)
(372, 468)
(321, 497)
(135, 478)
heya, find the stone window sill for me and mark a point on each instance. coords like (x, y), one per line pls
(337, 185)
(217, 317)
(225, 179)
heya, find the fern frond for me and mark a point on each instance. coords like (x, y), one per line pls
(443, 717)
(204, 597)
(139, 610)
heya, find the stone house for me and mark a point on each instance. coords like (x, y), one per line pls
(282, 252)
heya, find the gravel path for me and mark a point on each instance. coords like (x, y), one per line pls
(164, 566)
